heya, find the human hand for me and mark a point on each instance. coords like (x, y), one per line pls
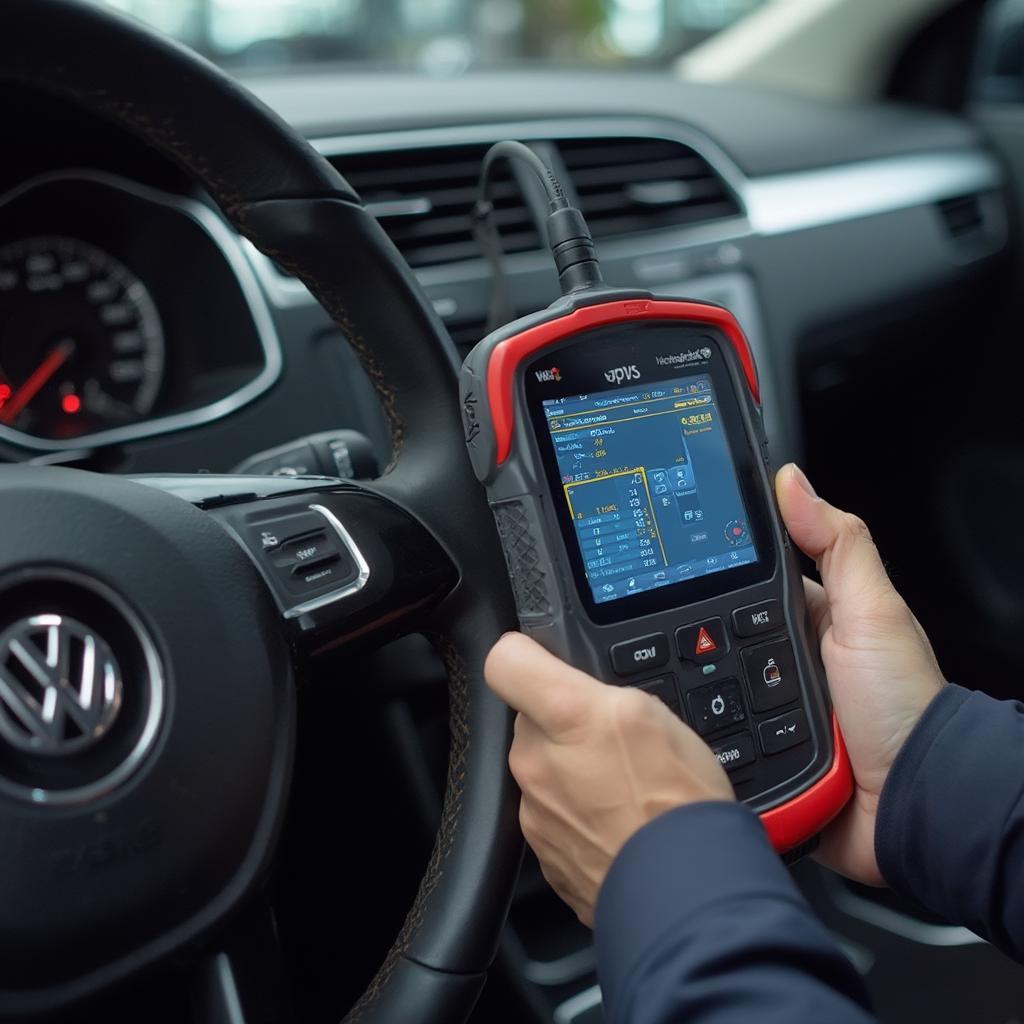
(880, 666)
(594, 762)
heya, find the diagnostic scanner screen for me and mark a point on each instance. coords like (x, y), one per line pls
(650, 485)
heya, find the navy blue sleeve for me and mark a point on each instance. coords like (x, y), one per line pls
(950, 829)
(699, 921)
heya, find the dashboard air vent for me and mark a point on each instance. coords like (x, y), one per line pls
(974, 223)
(626, 185)
(423, 197)
(962, 216)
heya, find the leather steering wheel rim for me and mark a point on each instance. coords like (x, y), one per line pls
(296, 208)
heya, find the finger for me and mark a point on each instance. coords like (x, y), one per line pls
(851, 568)
(565, 891)
(525, 756)
(817, 606)
(554, 696)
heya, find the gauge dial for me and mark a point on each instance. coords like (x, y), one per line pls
(736, 532)
(81, 344)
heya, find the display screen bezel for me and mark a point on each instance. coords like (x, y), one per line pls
(582, 362)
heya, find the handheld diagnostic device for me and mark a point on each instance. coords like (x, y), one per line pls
(620, 439)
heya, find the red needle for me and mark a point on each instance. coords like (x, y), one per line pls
(39, 376)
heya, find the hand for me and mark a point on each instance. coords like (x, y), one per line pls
(881, 669)
(594, 762)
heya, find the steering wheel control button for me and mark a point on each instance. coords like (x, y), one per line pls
(269, 536)
(331, 570)
(702, 641)
(779, 734)
(268, 540)
(716, 706)
(305, 570)
(771, 675)
(735, 752)
(664, 688)
(305, 553)
(755, 619)
(641, 654)
(305, 550)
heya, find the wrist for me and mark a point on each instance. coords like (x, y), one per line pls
(893, 815)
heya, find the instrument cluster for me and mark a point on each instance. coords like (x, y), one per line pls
(124, 312)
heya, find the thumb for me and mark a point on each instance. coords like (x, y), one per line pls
(851, 568)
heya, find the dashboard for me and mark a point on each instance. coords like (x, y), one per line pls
(140, 334)
(125, 311)
(138, 329)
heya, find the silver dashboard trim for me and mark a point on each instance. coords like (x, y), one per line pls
(577, 1005)
(773, 204)
(228, 243)
(349, 589)
(783, 203)
(562, 970)
(226, 994)
(896, 923)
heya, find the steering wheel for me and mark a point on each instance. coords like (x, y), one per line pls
(150, 629)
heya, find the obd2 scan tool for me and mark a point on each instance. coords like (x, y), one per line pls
(620, 439)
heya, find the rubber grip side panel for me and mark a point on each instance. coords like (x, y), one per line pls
(529, 564)
(532, 570)
(801, 818)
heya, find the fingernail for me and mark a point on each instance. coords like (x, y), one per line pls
(801, 478)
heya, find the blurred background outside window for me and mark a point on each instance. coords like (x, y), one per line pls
(441, 37)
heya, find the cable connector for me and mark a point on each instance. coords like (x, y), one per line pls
(569, 238)
(573, 250)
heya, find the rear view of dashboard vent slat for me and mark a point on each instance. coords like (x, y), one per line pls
(974, 224)
(627, 185)
(423, 197)
(962, 216)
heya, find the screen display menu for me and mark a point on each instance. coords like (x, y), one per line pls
(650, 485)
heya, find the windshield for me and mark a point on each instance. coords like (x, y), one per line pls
(442, 37)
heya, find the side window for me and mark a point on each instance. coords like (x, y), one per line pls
(999, 64)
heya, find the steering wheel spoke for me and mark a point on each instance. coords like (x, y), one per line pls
(344, 564)
(243, 980)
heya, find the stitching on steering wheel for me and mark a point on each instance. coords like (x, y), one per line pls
(451, 811)
(164, 137)
(333, 305)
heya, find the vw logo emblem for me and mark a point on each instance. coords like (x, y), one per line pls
(60, 685)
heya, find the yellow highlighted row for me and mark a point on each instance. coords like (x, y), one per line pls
(609, 476)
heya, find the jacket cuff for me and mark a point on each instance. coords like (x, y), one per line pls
(912, 764)
(671, 870)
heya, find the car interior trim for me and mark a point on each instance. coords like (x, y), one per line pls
(576, 1006)
(228, 243)
(230, 1001)
(869, 912)
(774, 204)
(794, 202)
(562, 971)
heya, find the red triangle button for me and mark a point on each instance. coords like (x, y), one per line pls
(705, 645)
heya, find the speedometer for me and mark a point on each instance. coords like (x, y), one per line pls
(81, 344)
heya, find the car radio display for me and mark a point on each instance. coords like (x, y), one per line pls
(650, 485)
